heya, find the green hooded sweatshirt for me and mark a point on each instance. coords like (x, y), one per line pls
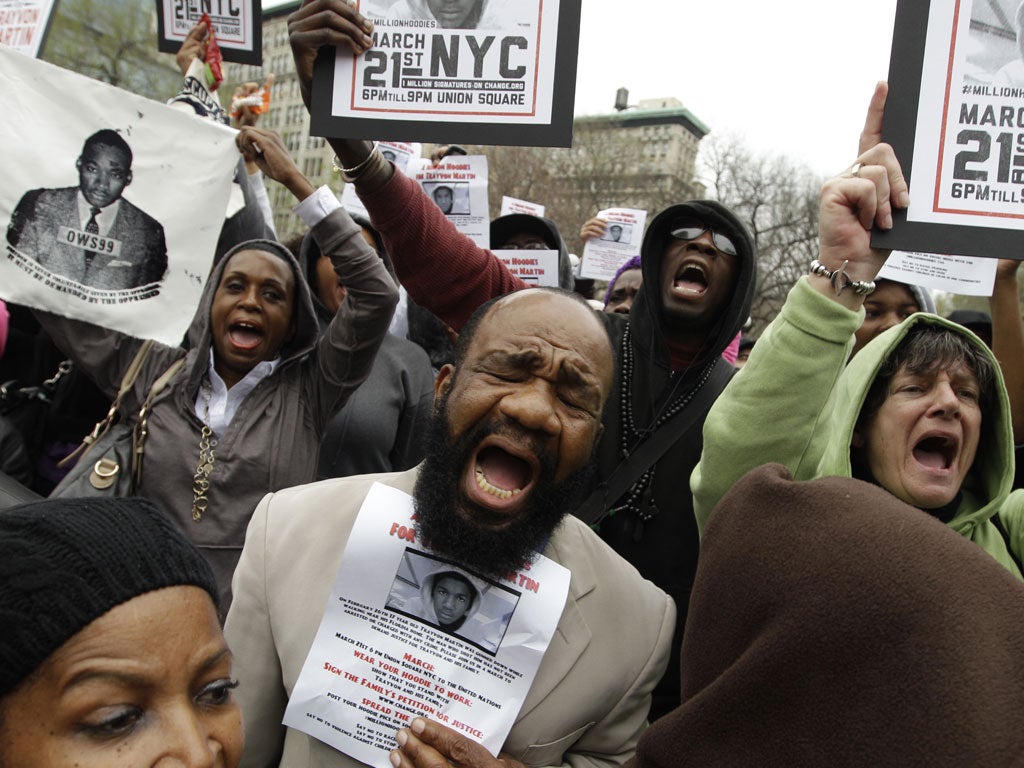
(796, 402)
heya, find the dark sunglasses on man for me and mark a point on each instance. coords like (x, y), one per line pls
(722, 243)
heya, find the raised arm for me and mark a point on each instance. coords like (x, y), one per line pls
(1008, 339)
(347, 347)
(774, 409)
(442, 269)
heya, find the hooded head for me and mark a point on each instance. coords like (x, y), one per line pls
(689, 295)
(930, 443)
(621, 300)
(449, 597)
(256, 306)
(311, 261)
(890, 303)
(516, 229)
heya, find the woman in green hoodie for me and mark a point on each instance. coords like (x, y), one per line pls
(921, 411)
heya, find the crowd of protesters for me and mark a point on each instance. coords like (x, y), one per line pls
(627, 443)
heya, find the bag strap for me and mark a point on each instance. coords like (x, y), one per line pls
(597, 505)
(139, 430)
(127, 381)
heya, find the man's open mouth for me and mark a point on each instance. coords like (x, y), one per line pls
(245, 335)
(502, 474)
(936, 451)
(691, 279)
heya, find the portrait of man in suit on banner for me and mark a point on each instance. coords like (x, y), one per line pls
(90, 233)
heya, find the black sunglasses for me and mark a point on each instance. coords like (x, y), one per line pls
(722, 243)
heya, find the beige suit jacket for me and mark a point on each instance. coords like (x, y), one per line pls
(588, 703)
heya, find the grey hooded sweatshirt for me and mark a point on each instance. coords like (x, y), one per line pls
(271, 443)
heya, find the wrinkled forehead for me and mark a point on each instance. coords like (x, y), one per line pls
(532, 319)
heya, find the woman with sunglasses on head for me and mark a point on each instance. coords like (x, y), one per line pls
(111, 653)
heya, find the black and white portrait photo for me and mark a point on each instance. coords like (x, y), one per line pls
(446, 596)
(618, 233)
(452, 197)
(90, 233)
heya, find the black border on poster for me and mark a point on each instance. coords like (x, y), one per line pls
(485, 131)
(230, 54)
(899, 127)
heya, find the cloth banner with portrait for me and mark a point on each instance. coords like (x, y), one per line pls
(111, 204)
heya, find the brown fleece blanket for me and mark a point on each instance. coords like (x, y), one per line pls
(833, 625)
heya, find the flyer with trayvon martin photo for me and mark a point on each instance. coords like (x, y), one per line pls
(536, 268)
(159, 179)
(24, 24)
(406, 633)
(955, 117)
(474, 71)
(621, 241)
(237, 26)
(458, 185)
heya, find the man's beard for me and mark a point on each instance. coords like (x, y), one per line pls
(438, 491)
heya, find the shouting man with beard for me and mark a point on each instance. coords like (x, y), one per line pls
(515, 426)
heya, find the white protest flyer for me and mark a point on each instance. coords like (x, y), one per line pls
(620, 242)
(474, 71)
(237, 25)
(512, 205)
(112, 217)
(459, 188)
(406, 633)
(24, 23)
(538, 268)
(399, 153)
(963, 275)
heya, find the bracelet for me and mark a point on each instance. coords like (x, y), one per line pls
(352, 174)
(840, 280)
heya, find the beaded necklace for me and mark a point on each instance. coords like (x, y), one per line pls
(201, 481)
(639, 500)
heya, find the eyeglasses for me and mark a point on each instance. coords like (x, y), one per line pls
(533, 245)
(722, 243)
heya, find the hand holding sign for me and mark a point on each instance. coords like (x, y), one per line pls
(325, 22)
(194, 47)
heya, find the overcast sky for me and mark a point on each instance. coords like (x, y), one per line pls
(791, 77)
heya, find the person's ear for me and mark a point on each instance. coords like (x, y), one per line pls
(443, 382)
(857, 441)
(78, 164)
(128, 177)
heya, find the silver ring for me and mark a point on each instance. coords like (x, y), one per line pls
(855, 170)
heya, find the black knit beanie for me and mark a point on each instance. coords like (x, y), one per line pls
(66, 562)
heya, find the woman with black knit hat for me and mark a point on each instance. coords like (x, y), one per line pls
(111, 652)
